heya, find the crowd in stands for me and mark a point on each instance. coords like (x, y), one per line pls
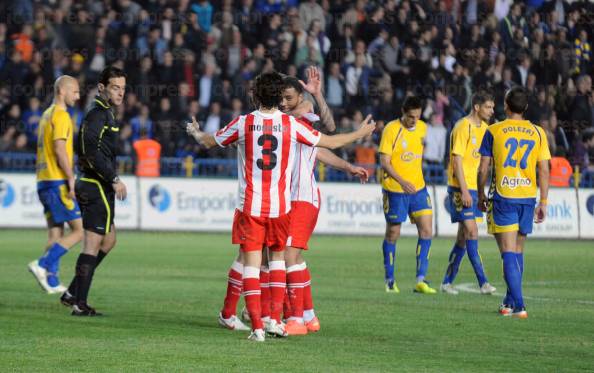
(189, 58)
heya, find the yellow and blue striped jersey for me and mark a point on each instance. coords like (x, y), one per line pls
(465, 141)
(405, 146)
(55, 124)
(516, 147)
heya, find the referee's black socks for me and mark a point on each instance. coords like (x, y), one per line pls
(72, 289)
(85, 268)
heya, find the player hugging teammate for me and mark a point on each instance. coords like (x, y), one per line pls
(267, 141)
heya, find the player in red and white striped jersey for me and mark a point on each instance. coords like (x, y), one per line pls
(305, 197)
(266, 140)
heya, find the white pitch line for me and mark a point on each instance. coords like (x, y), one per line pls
(470, 287)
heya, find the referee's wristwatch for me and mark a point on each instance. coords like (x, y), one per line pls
(115, 180)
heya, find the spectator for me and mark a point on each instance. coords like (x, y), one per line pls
(309, 11)
(435, 142)
(7, 139)
(20, 144)
(390, 57)
(23, 43)
(31, 118)
(213, 120)
(168, 76)
(142, 124)
(520, 74)
(204, 12)
(583, 53)
(166, 127)
(365, 156)
(546, 68)
(372, 25)
(153, 46)
(209, 85)
(357, 81)
(582, 147)
(335, 88)
(148, 155)
(581, 107)
(236, 55)
(561, 172)
(143, 79)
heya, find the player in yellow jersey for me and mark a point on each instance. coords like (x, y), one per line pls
(401, 157)
(515, 149)
(465, 140)
(55, 183)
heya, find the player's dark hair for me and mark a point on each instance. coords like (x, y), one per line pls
(481, 97)
(516, 100)
(267, 90)
(111, 72)
(292, 82)
(412, 103)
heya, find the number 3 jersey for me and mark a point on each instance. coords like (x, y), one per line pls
(266, 151)
(516, 147)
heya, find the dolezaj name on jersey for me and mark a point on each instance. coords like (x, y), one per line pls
(514, 182)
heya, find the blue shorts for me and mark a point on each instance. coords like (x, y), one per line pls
(397, 206)
(504, 216)
(459, 213)
(57, 207)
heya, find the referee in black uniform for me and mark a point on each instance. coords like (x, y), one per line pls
(98, 186)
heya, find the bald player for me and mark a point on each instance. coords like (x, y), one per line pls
(55, 184)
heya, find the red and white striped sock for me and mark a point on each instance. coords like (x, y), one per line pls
(265, 291)
(234, 286)
(308, 306)
(286, 306)
(295, 287)
(278, 283)
(251, 294)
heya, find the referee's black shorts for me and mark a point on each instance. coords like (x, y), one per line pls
(97, 204)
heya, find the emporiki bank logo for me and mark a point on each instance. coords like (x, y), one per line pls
(6, 194)
(590, 204)
(159, 198)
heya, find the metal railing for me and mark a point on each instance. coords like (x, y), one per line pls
(227, 168)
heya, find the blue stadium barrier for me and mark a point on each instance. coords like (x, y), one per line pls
(435, 174)
(587, 179)
(227, 168)
(17, 162)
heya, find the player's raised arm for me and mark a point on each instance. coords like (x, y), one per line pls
(337, 141)
(314, 87)
(203, 138)
(327, 157)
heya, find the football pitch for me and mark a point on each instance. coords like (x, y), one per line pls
(161, 293)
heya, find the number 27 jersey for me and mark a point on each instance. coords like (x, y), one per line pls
(266, 147)
(516, 147)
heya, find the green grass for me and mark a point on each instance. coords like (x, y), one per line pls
(161, 293)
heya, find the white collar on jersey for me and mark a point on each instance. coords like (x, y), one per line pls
(268, 115)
